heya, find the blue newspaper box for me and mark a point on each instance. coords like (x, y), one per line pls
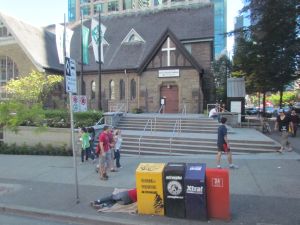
(195, 191)
(174, 190)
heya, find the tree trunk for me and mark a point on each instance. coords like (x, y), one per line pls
(264, 104)
(280, 99)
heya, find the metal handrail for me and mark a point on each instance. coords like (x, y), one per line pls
(178, 126)
(149, 120)
(161, 107)
(183, 112)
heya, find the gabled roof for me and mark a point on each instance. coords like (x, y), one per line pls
(186, 24)
(37, 43)
(179, 46)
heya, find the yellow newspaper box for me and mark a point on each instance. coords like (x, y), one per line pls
(149, 178)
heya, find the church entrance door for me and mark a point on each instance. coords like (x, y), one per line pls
(170, 94)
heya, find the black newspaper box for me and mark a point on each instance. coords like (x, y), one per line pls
(174, 190)
(195, 191)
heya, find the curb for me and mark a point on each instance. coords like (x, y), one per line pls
(64, 217)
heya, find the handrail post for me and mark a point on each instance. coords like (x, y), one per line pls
(170, 148)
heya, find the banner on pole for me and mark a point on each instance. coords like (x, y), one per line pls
(95, 39)
(85, 44)
(71, 80)
(59, 32)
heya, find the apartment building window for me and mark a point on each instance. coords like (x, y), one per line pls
(128, 4)
(86, 10)
(113, 6)
(98, 8)
(84, 1)
(8, 71)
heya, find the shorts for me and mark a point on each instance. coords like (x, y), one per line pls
(104, 159)
(221, 149)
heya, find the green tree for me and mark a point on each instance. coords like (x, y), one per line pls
(222, 70)
(268, 49)
(26, 98)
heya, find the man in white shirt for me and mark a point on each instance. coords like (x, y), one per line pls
(213, 113)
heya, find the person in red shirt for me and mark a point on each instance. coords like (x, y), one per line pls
(104, 154)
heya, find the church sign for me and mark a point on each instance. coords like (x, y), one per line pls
(168, 73)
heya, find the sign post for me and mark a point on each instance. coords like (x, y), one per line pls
(71, 87)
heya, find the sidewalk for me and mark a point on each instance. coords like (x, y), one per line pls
(265, 190)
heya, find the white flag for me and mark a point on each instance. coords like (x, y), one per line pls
(59, 31)
(95, 38)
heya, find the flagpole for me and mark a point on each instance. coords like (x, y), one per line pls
(99, 60)
(81, 66)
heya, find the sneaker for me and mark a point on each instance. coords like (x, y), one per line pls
(103, 178)
(219, 167)
(113, 170)
(279, 150)
(232, 166)
(290, 149)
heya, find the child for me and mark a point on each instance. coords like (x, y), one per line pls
(85, 144)
(118, 144)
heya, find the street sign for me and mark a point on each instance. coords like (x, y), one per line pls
(71, 84)
(79, 103)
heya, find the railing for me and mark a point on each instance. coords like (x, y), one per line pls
(149, 120)
(161, 109)
(183, 112)
(177, 127)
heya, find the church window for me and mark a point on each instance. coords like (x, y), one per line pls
(111, 90)
(83, 88)
(93, 89)
(3, 31)
(8, 71)
(168, 51)
(122, 89)
(133, 37)
(133, 89)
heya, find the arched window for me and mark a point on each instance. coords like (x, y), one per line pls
(8, 71)
(133, 89)
(93, 89)
(111, 90)
(122, 89)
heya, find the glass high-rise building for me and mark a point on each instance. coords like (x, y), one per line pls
(90, 8)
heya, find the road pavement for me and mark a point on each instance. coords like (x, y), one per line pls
(264, 190)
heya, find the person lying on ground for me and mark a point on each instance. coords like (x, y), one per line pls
(123, 198)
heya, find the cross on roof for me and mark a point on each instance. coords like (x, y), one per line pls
(168, 49)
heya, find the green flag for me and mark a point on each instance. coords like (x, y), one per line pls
(85, 45)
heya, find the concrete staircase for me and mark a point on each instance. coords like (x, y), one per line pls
(160, 123)
(198, 136)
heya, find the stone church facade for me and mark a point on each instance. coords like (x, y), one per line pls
(149, 59)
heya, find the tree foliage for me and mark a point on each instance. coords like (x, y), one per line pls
(26, 98)
(222, 70)
(268, 50)
(33, 88)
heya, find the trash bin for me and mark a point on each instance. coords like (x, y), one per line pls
(174, 190)
(149, 185)
(195, 191)
(218, 198)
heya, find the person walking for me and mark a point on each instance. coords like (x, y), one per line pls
(295, 122)
(223, 145)
(85, 144)
(110, 134)
(92, 134)
(104, 154)
(118, 141)
(283, 123)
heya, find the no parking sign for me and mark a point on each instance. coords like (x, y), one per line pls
(79, 103)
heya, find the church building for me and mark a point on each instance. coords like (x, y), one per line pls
(150, 58)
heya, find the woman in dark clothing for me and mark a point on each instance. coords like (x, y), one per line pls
(283, 123)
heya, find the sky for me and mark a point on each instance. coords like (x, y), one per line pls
(52, 11)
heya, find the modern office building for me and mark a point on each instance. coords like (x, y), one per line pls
(91, 8)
